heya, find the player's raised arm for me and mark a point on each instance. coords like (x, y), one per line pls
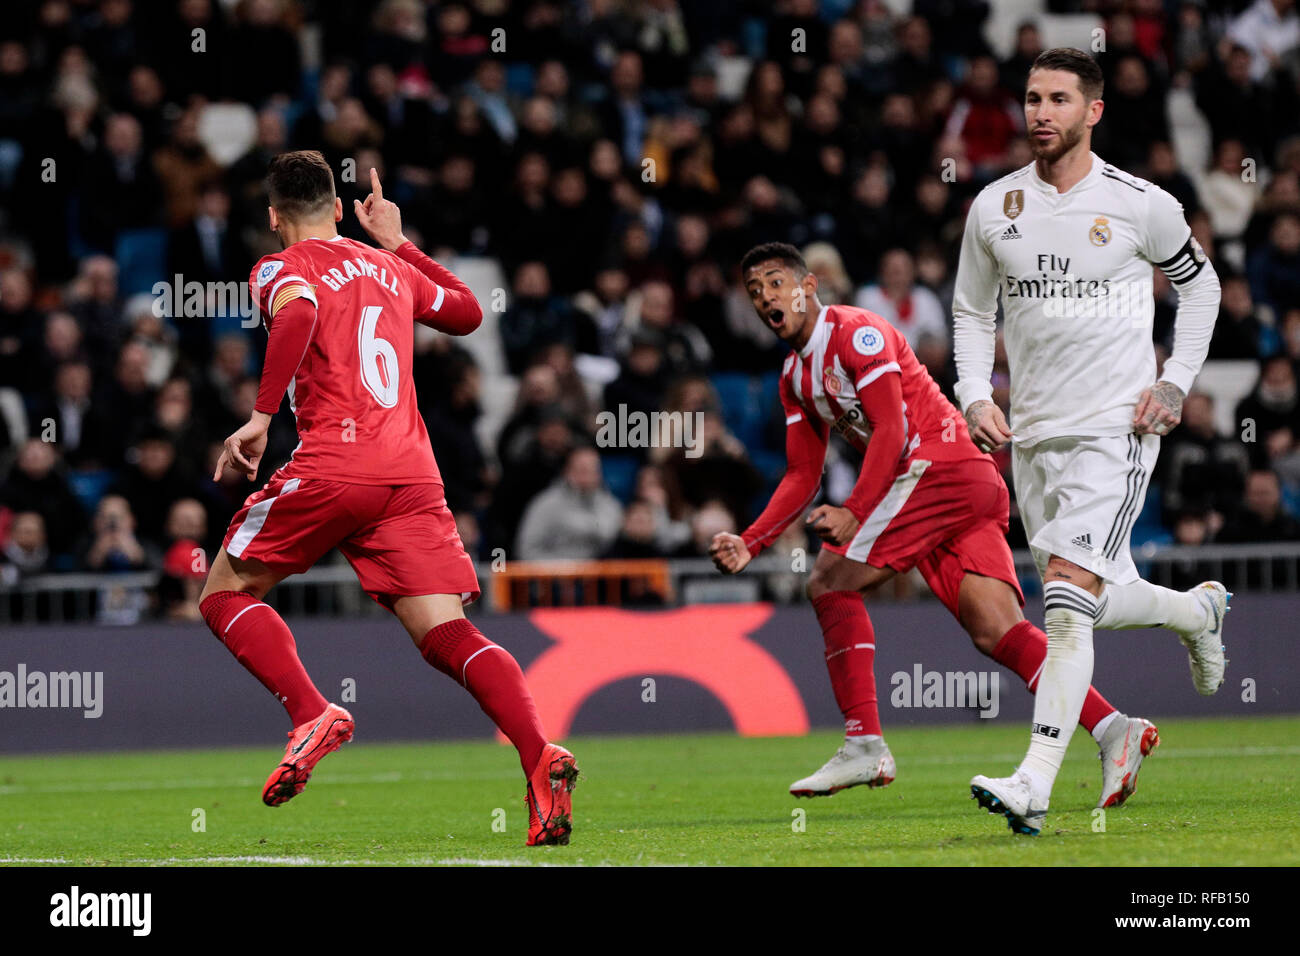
(974, 336)
(1172, 248)
(443, 302)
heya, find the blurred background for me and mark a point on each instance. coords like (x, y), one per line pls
(594, 170)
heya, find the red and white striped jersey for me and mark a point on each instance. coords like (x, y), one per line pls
(850, 348)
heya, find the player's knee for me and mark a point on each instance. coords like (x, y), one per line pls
(1059, 569)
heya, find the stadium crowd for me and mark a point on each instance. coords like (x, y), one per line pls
(614, 158)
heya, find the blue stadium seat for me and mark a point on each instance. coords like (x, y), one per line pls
(141, 256)
(1148, 528)
(620, 475)
(520, 79)
(741, 409)
(90, 486)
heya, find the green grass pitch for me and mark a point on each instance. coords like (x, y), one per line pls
(1217, 792)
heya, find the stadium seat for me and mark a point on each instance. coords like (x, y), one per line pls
(741, 409)
(1227, 381)
(620, 475)
(14, 413)
(227, 130)
(141, 256)
(90, 486)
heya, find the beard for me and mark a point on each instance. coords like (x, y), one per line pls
(1066, 141)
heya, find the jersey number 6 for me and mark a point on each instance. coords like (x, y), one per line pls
(378, 359)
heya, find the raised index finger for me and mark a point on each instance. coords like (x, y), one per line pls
(374, 183)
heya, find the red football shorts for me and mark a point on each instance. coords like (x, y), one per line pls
(400, 539)
(947, 518)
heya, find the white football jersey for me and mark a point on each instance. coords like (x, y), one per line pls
(1074, 271)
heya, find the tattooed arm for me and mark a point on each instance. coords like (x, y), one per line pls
(1159, 410)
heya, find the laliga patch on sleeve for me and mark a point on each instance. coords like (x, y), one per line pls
(268, 271)
(868, 340)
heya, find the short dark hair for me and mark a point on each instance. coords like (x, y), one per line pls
(300, 184)
(1073, 61)
(783, 251)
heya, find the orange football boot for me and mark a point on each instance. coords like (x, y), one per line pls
(549, 797)
(308, 743)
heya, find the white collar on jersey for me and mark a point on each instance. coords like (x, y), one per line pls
(1046, 187)
(811, 344)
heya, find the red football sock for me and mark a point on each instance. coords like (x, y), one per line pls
(492, 675)
(263, 643)
(1023, 649)
(850, 659)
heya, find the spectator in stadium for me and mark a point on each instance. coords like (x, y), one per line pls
(529, 465)
(643, 376)
(152, 481)
(1261, 517)
(20, 329)
(1269, 30)
(1271, 412)
(25, 552)
(711, 518)
(62, 342)
(1163, 170)
(1135, 114)
(36, 483)
(96, 302)
(1238, 329)
(638, 537)
(113, 545)
(651, 308)
(262, 35)
(911, 308)
(535, 317)
(184, 168)
(625, 115)
(1193, 528)
(575, 518)
(451, 417)
(1275, 269)
(1200, 469)
(605, 306)
(1229, 196)
(184, 562)
(68, 416)
(985, 117)
(205, 246)
(122, 180)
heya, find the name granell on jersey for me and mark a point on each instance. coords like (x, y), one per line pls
(336, 278)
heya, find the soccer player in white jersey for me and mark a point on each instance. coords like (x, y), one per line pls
(1069, 242)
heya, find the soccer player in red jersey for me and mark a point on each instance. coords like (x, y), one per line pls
(363, 478)
(926, 497)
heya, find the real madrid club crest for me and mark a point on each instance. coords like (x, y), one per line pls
(831, 382)
(1099, 231)
(1013, 203)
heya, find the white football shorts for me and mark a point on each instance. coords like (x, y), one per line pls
(1079, 497)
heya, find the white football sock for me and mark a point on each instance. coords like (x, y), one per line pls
(1066, 675)
(1142, 604)
(1103, 725)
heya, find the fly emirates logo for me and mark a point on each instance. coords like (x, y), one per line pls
(337, 278)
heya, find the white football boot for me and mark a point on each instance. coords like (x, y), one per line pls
(1123, 746)
(1014, 798)
(1205, 647)
(860, 760)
